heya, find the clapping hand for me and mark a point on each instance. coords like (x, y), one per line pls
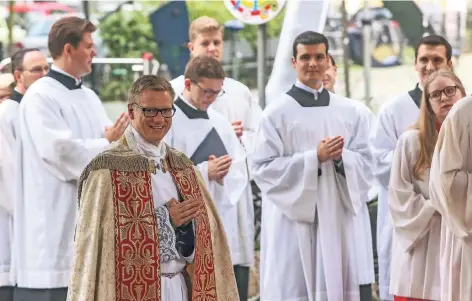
(115, 131)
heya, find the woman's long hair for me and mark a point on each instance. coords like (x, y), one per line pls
(427, 123)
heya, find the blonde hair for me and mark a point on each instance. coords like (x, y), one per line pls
(426, 123)
(203, 24)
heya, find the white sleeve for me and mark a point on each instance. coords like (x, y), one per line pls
(357, 161)
(287, 181)
(411, 211)
(8, 146)
(65, 156)
(383, 142)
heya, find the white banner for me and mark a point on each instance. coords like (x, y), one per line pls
(300, 16)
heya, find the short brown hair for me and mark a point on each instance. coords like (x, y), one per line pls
(203, 24)
(67, 30)
(146, 83)
(204, 66)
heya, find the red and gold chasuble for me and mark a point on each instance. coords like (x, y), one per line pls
(116, 255)
(137, 241)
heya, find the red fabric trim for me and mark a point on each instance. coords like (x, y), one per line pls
(204, 280)
(396, 298)
(137, 259)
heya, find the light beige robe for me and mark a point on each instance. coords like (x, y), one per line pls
(451, 194)
(417, 226)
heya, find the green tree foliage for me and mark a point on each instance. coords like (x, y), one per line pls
(129, 35)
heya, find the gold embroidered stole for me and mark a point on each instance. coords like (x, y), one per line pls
(137, 258)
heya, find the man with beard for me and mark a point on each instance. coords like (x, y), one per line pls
(395, 116)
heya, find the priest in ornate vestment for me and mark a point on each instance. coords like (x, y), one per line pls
(147, 227)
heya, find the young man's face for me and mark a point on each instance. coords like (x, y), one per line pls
(209, 43)
(82, 55)
(203, 93)
(431, 58)
(311, 63)
(329, 80)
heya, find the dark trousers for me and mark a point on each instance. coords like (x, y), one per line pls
(30, 294)
(6, 293)
(366, 292)
(242, 281)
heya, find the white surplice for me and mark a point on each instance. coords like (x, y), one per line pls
(237, 104)
(306, 207)
(394, 117)
(163, 190)
(451, 194)
(8, 122)
(417, 226)
(186, 135)
(61, 128)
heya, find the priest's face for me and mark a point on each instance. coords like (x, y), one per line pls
(209, 43)
(431, 58)
(203, 93)
(81, 57)
(329, 79)
(34, 67)
(152, 128)
(311, 63)
(443, 94)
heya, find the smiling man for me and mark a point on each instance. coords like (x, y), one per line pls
(62, 126)
(312, 163)
(147, 224)
(395, 116)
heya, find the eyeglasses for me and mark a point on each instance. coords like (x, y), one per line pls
(38, 69)
(152, 112)
(448, 91)
(210, 92)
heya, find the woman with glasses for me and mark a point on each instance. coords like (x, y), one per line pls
(417, 224)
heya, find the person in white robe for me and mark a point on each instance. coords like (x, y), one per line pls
(208, 139)
(239, 108)
(394, 117)
(417, 225)
(363, 231)
(62, 126)
(312, 163)
(450, 191)
(27, 65)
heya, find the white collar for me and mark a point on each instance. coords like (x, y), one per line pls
(301, 85)
(148, 149)
(57, 69)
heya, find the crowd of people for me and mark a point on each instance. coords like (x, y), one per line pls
(157, 205)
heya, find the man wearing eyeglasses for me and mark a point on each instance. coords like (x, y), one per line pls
(27, 65)
(147, 228)
(395, 116)
(239, 108)
(62, 126)
(208, 139)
